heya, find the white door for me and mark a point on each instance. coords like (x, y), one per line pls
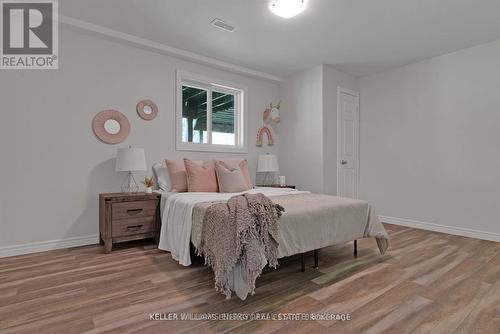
(347, 143)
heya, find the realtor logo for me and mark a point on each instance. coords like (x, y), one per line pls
(29, 36)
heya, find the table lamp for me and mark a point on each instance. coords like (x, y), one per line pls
(267, 163)
(130, 160)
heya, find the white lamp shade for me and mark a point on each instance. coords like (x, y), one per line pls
(268, 163)
(130, 160)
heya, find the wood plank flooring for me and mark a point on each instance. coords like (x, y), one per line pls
(427, 283)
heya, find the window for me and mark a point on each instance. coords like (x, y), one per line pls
(210, 115)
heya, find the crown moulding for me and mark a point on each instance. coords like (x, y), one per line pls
(165, 49)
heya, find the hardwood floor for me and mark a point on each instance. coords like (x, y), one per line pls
(427, 283)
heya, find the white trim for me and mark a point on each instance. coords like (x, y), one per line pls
(465, 232)
(241, 133)
(339, 148)
(42, 246)
(165, 49)
(347, 91)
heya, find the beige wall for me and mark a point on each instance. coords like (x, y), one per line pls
(430, 140)
(308, 149)
(301, 147)
(53, 168)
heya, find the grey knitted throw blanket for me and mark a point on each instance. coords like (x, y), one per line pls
(241, 230)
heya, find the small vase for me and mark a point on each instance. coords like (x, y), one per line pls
(149, 190)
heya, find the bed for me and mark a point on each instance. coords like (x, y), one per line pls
(310, 221)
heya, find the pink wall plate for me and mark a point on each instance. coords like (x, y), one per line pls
(147, 110)
(111, 126)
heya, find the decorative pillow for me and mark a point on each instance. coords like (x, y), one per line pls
(201, 177)
(242, 164)
(161, 177)
(177, 174)
(231, 180)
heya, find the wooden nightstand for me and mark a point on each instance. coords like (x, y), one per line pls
(278, 186)
(128, 216)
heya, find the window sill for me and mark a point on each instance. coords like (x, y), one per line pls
(211, 148)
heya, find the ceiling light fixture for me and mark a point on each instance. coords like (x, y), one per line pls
(287, 8)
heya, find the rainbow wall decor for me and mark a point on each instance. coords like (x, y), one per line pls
(271, 115)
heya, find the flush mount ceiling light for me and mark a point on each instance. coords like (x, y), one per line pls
(287, 8)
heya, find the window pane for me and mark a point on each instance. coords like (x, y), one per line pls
(223, 119)
(194, 115)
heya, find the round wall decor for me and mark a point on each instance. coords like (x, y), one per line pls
(111, 126)
(147, 110)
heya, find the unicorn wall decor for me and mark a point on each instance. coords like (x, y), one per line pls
(271, 115)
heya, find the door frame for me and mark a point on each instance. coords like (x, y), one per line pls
(354, 93)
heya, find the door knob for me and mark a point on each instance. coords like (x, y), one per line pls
(343, 162)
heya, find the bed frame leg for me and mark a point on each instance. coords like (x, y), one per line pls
(355, 247)
(302, 263)
(316, 258)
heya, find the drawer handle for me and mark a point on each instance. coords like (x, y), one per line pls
(134, 227)
(134, 212)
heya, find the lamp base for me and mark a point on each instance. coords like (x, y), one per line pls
(129, 185)
(268, 179)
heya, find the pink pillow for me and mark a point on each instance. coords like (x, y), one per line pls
(241, 164)
(231, 180)
(201, 178)
(178, 177)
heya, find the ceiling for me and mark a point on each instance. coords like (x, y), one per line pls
(360, 37)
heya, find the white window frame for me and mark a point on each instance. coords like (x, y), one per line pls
(210, 84)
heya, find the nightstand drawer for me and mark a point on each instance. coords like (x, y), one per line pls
(133, 226)
(137, 209)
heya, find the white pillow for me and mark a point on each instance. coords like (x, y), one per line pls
(160, 174)
(231, 180)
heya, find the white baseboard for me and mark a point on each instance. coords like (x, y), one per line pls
(43, 246)
(464, 232)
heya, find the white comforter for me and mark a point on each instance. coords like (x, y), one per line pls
(177, 214)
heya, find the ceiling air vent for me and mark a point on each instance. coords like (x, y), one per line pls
(222, 25)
